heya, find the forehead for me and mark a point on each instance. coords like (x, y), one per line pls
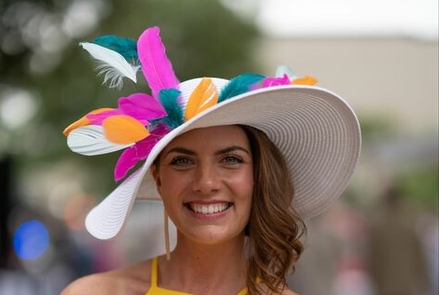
(216, 137)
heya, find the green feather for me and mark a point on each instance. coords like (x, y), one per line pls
(239, 85)
(125, 46)
(169, 100)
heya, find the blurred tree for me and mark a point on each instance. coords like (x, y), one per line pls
(420, 188)
(375, 128)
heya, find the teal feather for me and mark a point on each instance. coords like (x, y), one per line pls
(170, 101)
(125, 46)
(239, 85)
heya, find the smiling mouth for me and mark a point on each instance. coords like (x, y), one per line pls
(208, 209)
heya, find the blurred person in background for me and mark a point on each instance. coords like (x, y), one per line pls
(334, 251)
(22, 270)
(396, 255)
(320, 259)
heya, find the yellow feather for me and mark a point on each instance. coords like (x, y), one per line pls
(204, 96)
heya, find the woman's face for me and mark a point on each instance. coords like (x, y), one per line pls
(205, 178)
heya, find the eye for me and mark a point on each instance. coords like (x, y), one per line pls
(232, 159)
(181, 161)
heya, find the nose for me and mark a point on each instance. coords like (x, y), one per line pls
(207, 179)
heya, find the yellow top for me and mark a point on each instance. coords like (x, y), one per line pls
(156, 290)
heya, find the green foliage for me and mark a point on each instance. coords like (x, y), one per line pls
(420, 188)
(375, 128)
(202, 38)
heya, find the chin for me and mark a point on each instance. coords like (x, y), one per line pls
(212, 235)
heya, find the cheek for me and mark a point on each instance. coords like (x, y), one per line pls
(171, 187)
(172, 181)
(242, 184)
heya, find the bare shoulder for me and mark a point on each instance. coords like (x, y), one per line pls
(134, 279)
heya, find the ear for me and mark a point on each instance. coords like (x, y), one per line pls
(155, 175)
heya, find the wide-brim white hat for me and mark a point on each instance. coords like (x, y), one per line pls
(315, 129)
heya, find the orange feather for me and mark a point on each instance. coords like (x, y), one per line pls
(204, 96)
(307, 80)
(124, 129)
(83, 121)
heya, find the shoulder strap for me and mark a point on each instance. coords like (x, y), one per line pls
(154, 272)
(154, 288)
(243, 291)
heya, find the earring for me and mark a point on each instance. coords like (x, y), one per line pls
(167, 246)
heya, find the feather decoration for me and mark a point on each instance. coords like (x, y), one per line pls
(282, 70)
(142, 106)
(90, 141)
(97, 119)
(156, 66)
(112, 65)
(124, 129)
(140, 151)
(269, 82)
(203, 97)
(84, 121)
(239, 85)
(125, 46)
(169, 100)
(307, 80)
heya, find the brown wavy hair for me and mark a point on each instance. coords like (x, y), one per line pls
(274, 226)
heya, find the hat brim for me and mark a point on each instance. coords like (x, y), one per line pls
(315, 129)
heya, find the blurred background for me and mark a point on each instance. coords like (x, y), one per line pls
(381, 238)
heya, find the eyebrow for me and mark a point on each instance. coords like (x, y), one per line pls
(222, 151)
(231, 149)
(180, 150)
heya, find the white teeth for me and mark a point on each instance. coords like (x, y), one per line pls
(208, 209)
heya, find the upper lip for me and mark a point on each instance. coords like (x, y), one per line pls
(204, 202)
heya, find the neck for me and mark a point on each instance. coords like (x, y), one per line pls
(203, 268)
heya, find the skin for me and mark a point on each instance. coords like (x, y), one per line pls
(200, 167)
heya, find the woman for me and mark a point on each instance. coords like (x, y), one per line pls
(224, 156)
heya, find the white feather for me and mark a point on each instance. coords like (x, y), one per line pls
(90, 141)
(282, 70)
(112, 65)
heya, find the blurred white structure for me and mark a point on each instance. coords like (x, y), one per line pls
(396, 79)
(342, 18)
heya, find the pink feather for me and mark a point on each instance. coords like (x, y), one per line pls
(156, 67)
(268, 82)
(97, 119)
(142, 107)
(140, 151)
